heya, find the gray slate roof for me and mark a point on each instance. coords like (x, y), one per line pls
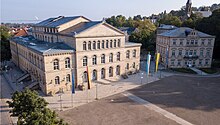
(55, 22)
(79, 27)
(43, 47)
(163, 26)
(131, 44)
(183, 32)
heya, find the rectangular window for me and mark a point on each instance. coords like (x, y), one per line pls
(201, 52)
(194, 52)
(98, 46)
(173, 52)
(180, 52)
(103, 44)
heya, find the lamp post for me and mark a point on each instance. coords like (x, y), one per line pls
(142, 77)
(60, 94)
(96, 98)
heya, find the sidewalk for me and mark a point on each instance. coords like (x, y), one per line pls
(199, 72)
(99, 91)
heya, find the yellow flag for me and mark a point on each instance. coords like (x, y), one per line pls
(157, 61)
(89, 79)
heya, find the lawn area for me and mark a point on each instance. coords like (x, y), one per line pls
(184, 70)
(209, 70)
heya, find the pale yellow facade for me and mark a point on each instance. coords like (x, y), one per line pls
(194, 50)
(101, 47)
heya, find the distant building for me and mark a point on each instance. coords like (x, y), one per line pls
(185, 47)
(203, 13)
(188, 8)
(127, 31)
(164, 28)
(62, 48)
(21, 32)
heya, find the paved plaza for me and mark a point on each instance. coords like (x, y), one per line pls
(194, 100)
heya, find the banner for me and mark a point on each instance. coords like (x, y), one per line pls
(148, 64)
(73, 84)
(157, 61)
(167, 56)
(88, 77)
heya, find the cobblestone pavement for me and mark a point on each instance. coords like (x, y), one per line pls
(6, 91)
(101, 91)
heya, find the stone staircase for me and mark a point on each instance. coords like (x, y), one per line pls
(23, 77)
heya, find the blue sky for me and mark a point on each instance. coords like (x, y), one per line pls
(93, 9)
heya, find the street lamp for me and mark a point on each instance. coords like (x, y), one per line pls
(142, 77)
(96, 91)
(60, 94)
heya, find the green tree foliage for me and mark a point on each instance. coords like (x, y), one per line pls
(5, 45)
(145, 34)
(211, 25)
(192, 21)
(171, 20)
(31, 109)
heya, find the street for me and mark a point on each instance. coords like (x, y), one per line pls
(5, 96)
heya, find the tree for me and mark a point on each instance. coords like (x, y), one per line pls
(5, 44)
(211, 25)
(170, 20)
(145, 34)
(31, 109)
(192, 21)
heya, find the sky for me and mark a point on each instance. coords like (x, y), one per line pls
(24, 10)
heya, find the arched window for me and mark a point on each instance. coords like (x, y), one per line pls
(85, 77)
(119, 42)
(111, 57)
(103, 58)
(127, 54)
(94, 60)
(68, 78)
(118, 56)
(94, 45)
(118, 70)
(127, 67)
(106, 43)
(110, 43)
(57, 80)
(89, 45)
(103, 44)
(134, 53)
(67, 63)
(98, 45)
(85, 61)
(114, 43)
(102, 73)
(84, 45)
(94, 74)
(110, 72)
(56, 64)
(133, 65)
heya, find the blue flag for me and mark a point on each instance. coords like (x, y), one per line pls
(148, 64)
(73, 84)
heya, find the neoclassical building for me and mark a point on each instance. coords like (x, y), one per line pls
(62, 48)
(185, 47)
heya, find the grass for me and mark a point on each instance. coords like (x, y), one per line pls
(184, 70)
(209, 70)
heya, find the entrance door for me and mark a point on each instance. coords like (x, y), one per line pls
(94, 75)
(189, 63)
(102, 73)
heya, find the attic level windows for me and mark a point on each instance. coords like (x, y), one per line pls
(84, 45)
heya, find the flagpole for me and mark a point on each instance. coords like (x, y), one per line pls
(71, 99)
